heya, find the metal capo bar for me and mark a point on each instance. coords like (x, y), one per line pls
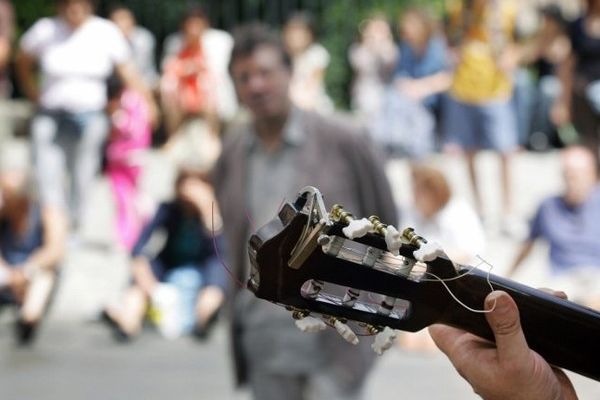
(317, 223)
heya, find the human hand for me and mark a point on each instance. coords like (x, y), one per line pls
(200, 194)
(508, 369)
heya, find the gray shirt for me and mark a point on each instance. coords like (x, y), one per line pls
(274, 179)
(333, 156)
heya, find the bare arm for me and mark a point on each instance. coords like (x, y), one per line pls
(131, 78)
(25, 71)
(523, 253)
(420, 88)
(560, 113)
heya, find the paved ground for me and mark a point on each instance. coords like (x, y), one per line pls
(75, 358)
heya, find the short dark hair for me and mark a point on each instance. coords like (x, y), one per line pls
(194, 11)
(248, 38)
(116, 7)
(554, 13)
(303, 18)
(92, 3)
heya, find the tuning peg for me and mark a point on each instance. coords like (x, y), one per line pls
(310, 324)
(386, 306)
(350, 297)
(393, 238)
(410, 236)
(428, 252)
(357, 228)
(314, 288)
(384, 340)
(344, 330)
(339, 214)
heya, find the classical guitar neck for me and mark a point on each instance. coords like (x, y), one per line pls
(566, 334)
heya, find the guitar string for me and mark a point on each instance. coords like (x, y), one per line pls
(252, 225)
(443, 282)
(241, 285)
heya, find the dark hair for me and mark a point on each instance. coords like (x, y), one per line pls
(92, 3)
(116, 7)
(425, 18)
(194, 11)
(554, 13)
(248, 38)
(114, 86)
(305, 19)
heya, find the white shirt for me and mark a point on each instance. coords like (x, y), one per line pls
(304, 89)
(75, 63)
(456, 227)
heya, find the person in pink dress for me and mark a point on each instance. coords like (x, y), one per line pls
(131, 133)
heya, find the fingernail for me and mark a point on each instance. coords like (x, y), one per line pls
(497, 302)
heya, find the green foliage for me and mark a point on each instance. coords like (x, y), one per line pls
(29, 11)
(338, 20)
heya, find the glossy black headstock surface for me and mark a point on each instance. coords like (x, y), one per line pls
(272, 278)
(287, 253)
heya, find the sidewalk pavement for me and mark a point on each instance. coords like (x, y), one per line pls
(75, 357)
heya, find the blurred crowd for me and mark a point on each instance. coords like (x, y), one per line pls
(459, 83)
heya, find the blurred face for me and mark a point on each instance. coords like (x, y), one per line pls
(580, 177)
(12, 186)
(550, 26)
(193, 28)
(124, 20)
(75, 12)
(297, 38)
(413, 31)
(377, 30)
(262, 82)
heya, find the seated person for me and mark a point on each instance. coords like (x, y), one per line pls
(443, 218)
(32, 240)
(569, 224)
(187, 86)
(188, 261)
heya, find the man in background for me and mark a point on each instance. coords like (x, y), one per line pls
(569, 224)
(270, 158)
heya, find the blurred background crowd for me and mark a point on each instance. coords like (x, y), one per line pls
(112, 117)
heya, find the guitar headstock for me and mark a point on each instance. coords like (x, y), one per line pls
(304, 261)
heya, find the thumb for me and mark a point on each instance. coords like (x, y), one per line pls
(506, 326)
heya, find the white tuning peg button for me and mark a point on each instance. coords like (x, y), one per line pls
(428, 252)
(384, 340)
(310, 324)
(357, 228)
(345, 332)
(393, 239)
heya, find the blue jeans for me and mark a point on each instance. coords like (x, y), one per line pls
(67, 149)
(188, 280)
